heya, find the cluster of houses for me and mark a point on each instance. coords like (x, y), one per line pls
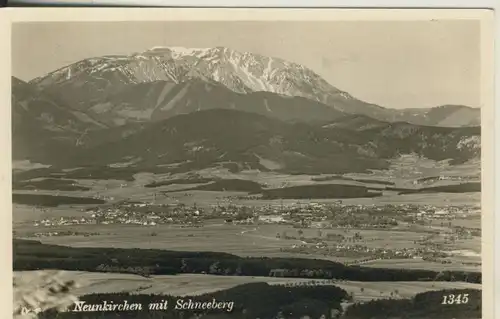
(310, 215)
(362, 253)
(434, 179)
(62, 233)
(130, 213)
(447, 213)
(346, 216)
(63, 222)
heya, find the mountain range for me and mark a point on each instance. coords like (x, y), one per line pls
(148, 86)
(40, 124)
(197, 108)
(222, 137)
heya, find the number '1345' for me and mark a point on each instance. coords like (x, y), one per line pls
(455, 299)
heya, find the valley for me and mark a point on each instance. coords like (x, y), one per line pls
(163, 193)
(206, 173)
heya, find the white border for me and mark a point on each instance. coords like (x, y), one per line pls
(276, 3)
(117, 14)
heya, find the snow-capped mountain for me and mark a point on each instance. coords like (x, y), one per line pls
(192, 121)
(89, 80)
(89, 84)
(241, 72)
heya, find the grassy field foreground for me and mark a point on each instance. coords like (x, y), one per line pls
(196, 284)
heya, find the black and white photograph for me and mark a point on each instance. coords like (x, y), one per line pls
(248, 168)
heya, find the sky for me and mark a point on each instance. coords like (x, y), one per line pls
(396, 64)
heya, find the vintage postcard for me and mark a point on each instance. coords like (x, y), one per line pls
(257, 164)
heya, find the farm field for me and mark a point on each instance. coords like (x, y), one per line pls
(202, 198)
(407, 168)
(245, 241)
(206, 199)
(403, 172)
(470, 222)
(421, 264)
(226, 238)
(194, 284)
(215, 237)
(261, 240)
(227, 179)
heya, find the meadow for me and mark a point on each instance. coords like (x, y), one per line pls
(402, 173)
(421, 264)
(196, 284)
(251, 241)
(212, 237)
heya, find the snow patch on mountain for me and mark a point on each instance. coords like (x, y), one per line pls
(241, 72)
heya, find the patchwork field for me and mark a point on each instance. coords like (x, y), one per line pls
(214, 237)
(420, 264)
(403, 173)
(191, 284)
(248, 241)
(262, 240)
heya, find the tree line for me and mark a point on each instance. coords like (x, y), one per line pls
(33, 255)
(254, 300)
(427, 305)
(261, 300)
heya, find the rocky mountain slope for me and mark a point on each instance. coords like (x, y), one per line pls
(198, 108)
(104, 83)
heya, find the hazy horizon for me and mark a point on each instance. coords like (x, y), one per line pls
(395, 64)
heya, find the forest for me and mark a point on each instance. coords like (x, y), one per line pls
(33, 255)
(264, 301)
